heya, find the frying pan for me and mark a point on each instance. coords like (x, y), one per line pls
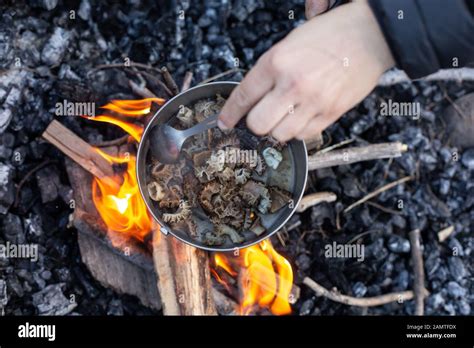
(296, 152)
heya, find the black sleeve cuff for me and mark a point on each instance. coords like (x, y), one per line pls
(426, 35)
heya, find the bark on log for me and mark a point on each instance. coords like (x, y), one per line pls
(355, 154)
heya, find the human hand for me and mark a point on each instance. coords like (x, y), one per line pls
(316, 7)
(309, 79)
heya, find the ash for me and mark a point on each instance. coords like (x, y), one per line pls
(50, 51)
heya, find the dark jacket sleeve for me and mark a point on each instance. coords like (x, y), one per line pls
(427, 35)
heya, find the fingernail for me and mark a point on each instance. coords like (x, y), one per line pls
(221, 125)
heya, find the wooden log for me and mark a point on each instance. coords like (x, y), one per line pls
(355, 154)
(80, 152)
(184, 277)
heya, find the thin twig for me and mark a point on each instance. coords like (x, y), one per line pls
(445, 233)
(314, 199)
(335, 146)
(293, 226)
(222, 74)
(187, 80)
(377, 192)
(156, 80)
(140, 90)
(384, 209)
(123, 66)
(27, 177)
(360, 235)
(281, 239)
(169, 80)
(455, 106)
(354, 301)
(417, 259)
(355, 154)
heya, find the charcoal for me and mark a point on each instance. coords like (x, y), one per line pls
(13, 229)
(46, 275)
(359, 289)
(435, 301)
(456, 247)
(463, 307)
(15, 286)
(350, 187)
(45, 4)
(303, 262)
(51, 301)
(7, 141)
(398, 244)
(48, 183)
(307, 306)
(56, 46)
(12, 83)
(401, 281)
(468, 159)
(39, 281)
(7, 188)
(84, 11)
(362, 124)
(449, 309)
(115, 308)
(444, 186)
(456, 268)
(63, 274)
(241, 9)
(455, 290)
(209, 17)
(33, 225)
(398, 221)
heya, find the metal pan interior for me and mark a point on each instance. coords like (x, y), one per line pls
(295, 152)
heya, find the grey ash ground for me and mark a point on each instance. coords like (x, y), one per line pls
(46, 57)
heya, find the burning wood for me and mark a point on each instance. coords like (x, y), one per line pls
(265, 278)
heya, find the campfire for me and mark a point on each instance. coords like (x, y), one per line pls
(257, 278)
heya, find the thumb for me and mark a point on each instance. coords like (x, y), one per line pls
(316, 7)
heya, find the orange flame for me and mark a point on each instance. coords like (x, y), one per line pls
(132, 107)
(123, 209)
(266, 278)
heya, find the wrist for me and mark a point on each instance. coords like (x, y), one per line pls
(380, 48)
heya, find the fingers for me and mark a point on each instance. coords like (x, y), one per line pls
(254, 86)
(314, 127)
(268, 112)
(294, 123)
(315, 7)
